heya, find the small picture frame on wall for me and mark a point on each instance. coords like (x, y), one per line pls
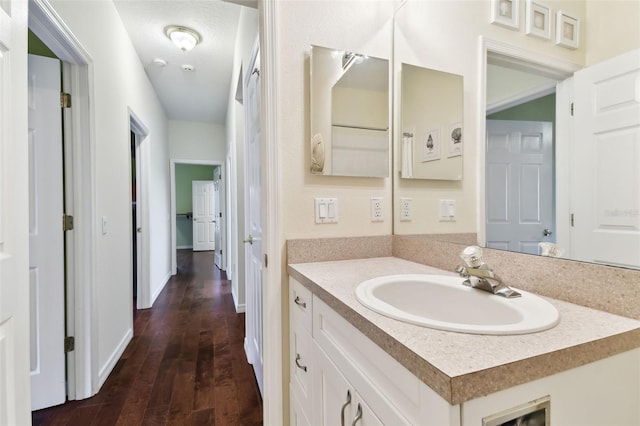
(538, 20)
(431, 145)
(506, 13)
(455, 140)
(567, 30)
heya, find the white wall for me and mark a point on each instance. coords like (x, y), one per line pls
(246, 36)
(120, 83)
(190, 140)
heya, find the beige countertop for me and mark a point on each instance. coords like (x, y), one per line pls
(459, 366)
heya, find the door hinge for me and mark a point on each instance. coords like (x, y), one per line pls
(65, 100)
(266, 260)
(572, 109)
(67, 222)
(69, 344)
(571, 219)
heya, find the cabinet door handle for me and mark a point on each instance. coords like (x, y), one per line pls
(300, 366)
(358, 415)
(299, 302)
(344, 407)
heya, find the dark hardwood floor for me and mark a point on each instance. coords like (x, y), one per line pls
(185, 365)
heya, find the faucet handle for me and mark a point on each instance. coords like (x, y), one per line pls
(472, 256)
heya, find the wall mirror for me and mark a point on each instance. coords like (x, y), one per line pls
(350, 112)
(522, 89)
(431, 124)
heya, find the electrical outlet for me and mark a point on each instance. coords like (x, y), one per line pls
(376, 209)
(405, 209)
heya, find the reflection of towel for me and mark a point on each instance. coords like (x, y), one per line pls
(407, 157)
(317, 153)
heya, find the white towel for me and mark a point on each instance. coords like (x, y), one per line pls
(407, 157)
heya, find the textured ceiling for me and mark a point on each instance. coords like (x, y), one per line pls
(200, 95)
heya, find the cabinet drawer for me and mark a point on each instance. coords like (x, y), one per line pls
(299, 305)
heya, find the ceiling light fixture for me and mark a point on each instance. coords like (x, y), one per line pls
(184, 38)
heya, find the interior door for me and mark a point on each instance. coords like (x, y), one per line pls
(218, 217)
(204, 218)
(519, 182)
(46, 239)
(253, 221)
(605, 180)
(14, 293)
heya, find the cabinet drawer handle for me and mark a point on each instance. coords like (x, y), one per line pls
(344, 407)
(299, 302)
(358, 415)
(300, 366)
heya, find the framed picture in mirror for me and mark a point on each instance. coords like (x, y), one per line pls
(455, 140)
(431, 145)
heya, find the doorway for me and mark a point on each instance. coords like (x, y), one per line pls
(183, 173)
(79, 178)
(139, 143)
(532, 100)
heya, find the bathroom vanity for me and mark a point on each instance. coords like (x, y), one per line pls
(351, 365)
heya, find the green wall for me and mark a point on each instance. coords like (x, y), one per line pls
(185, 174)
(37, 47)
(541, 109)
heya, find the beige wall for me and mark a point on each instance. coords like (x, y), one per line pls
(359, 26)
(612, 27)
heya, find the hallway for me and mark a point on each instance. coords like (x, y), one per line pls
(185, 364)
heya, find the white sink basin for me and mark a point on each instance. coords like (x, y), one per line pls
(443, 302)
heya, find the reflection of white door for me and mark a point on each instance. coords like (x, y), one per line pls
(253, 222)
(203, 215)
(605, 181)
(46, 242)
(519, 182)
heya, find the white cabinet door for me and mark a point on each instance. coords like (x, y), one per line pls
(335, 401)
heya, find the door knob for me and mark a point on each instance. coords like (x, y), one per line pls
(249, 240)
(547, 232)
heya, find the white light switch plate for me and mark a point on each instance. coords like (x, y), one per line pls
(326, 210)
(447, 209)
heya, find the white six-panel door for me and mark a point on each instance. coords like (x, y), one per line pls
(15, 405)
(605, 180)
(46, 240)
(253, 221)
(203, 215)
(519, 185)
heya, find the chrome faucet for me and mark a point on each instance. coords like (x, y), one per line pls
(479, 275)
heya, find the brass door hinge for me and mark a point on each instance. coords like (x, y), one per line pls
(266, 260)
(67, 222)
(69, 344)
(572, 219)
(65, 100)
(572, 109)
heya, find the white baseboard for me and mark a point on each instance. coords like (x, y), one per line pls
(184, 247)
(156, 293)
(104, 372)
